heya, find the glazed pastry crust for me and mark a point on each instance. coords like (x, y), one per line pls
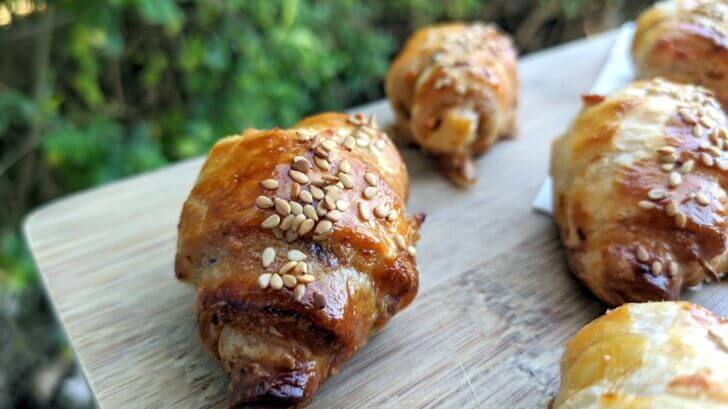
(453, 88)
(685, 41)
(663, 355)
(639, 191)
(279, 345)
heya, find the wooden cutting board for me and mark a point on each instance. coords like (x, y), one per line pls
(496, 299)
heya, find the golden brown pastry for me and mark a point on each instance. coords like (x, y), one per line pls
(454, 90)
(639, 191)
(685, 41)
(663, 355)
(299, 246)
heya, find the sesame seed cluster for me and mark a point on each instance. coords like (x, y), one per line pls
(319, 199)
(454, 55)
(712, 16)
(701, 112)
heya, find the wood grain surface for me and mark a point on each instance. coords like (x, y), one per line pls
(496, 299)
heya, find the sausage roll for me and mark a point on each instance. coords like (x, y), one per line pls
(685, 41)
(663, 355)
(638, 191)
(300, 249)
(454, 90)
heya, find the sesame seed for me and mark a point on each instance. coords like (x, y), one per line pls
(656, 268)
(392, 216)
(370, 178)
(345, 166)
(317, 180)
(306, 226)
(687, 167)
(671, 208)
(322, 153)
(288, 266)
(346, 179)
(291, 236)
(269, 184)
(322, 163)
(400, 241)
(297, 221)
(665, 150)
(323, 227)
(331, 179)
(306, 196)
(707, 122)
(681, 220)
(310, 212)
(411, 251)
(282, 207)
(363, 142)
(675, 179)
(296, 255)
(321, 208)
(306, 278)
(264, 280)
(342, 205)
(687, 116)
(668, 158)
(271, 221)
(289, 280)
(299, 292)
(328, 144)
(301, 268)
(296, 207)
(334, 215)
(722, 164)
(277, 232)
(667, 167)
(263, 202)
(364, 212)
(702, 199)
(713, 151)
(370, 192)
(707, 159)
(656, 194)
(704, 144)
(287, 222)
(317, 193)
(673, 269)
(642, 254)
(381, 211)
(697, 131)
(276, 282)
(304, 136)
(320, 237)
(349, 142)
(298, 177)
(333, 192)
(316, 141)
(267, 256)
(329, 203)
(301, 164)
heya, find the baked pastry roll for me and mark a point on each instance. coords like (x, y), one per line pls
(663, 355)
(639, 191)
(685, 41)
(454, 89)
(300, 249)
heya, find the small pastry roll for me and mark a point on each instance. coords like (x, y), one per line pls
(685, 41)
(639, 191)
(454, 90)
(663, 355)
(299, 246)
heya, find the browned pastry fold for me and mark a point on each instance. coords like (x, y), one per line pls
(639, 193)
(664, 355)
(685, 41)
(299, 246)
(454, 90)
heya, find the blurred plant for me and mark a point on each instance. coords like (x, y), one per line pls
(91, 91)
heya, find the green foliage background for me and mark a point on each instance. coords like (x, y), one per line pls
(92, 91)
